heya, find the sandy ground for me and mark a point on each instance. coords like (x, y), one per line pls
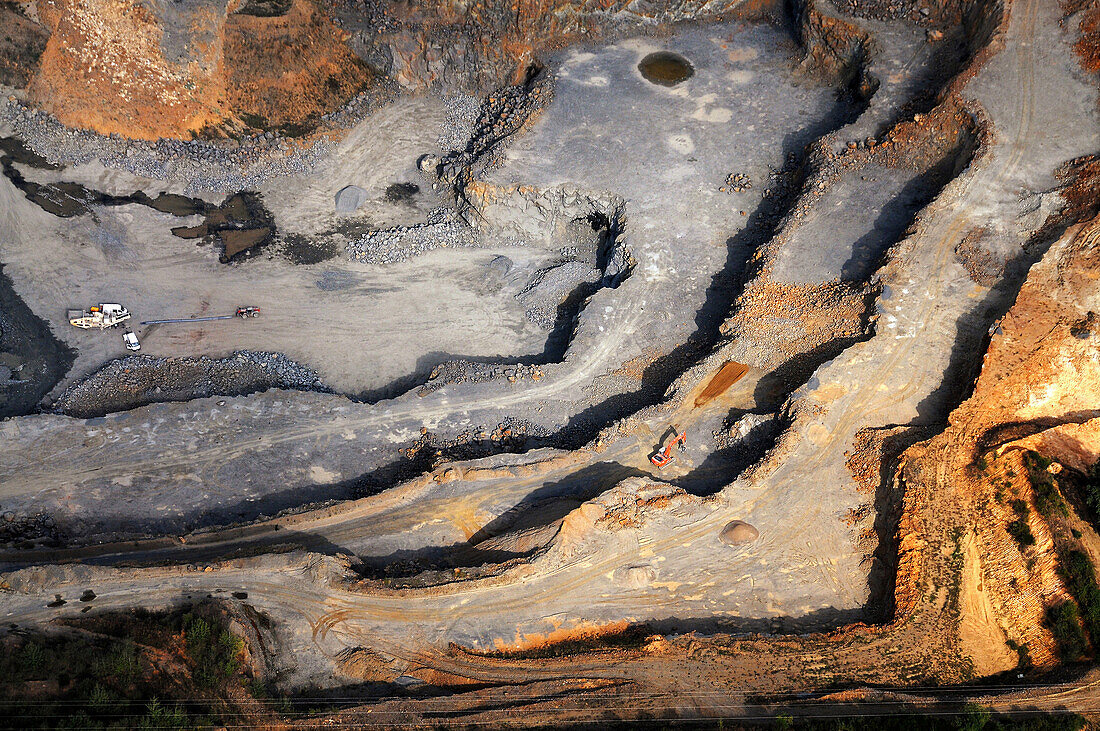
(360, 327)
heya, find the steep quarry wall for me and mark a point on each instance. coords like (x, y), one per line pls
(132, 68)
(152, 68)
(1036, 392)
(216, 67)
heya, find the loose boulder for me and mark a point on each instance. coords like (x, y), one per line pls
(737, 532)
(349, 198)
(634, 577)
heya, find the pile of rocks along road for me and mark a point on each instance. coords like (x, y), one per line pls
(128, 383)
(464, 371)
(215, 165)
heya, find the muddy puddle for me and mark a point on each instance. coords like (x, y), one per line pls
(240, 225)
(66, 200)
(665, 68)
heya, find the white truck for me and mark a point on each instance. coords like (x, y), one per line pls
(102, 316)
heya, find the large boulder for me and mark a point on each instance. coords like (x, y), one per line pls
(737, 532)
(349, 198)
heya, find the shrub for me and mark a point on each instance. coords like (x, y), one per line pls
(1045, 488)
(1019, 530)
(213, 651)
(1076, 570)
(1091, 489)
(158, 716)
(1064, 623)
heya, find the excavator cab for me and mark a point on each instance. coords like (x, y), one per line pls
(663, 456)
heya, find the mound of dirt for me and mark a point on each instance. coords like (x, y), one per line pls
(128, 383)
(737, 532)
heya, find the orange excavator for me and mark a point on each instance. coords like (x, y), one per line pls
(663, 456)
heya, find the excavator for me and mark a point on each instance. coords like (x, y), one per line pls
(663, 456)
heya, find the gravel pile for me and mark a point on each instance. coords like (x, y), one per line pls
(392, 245)
(549, 289)
(463, 111)
(361, 106)
(502, 114)
(217, 165)
(465, 371)
(128, 383)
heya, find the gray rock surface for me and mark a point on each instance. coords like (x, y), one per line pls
(349, 198)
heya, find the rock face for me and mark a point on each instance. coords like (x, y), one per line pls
(21, 45)
(147, 69)
(131, 68)
(737, 532)
(1037, 391)
(349, 198)
(167, 69)
(1073, 445)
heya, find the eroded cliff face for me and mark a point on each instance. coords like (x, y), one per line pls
(149, 69)
(155, 68)
(477, 44)
(284, 71)
(1037, 393)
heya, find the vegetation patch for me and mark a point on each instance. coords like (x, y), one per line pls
(1064, 623)
(1077, 572)
(122, 672)
(1090, 492)
(1019, 528)
(1048, 501)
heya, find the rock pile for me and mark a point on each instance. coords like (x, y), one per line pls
(392, 245)
(16, 528)
(464, 371)
(128, 383)
(217, 165)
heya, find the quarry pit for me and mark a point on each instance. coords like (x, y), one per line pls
(819, 240)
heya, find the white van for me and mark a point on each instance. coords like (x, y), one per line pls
(131, 341)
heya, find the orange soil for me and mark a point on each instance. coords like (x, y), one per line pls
(730, 373)
(290, 69)
(105, 68)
